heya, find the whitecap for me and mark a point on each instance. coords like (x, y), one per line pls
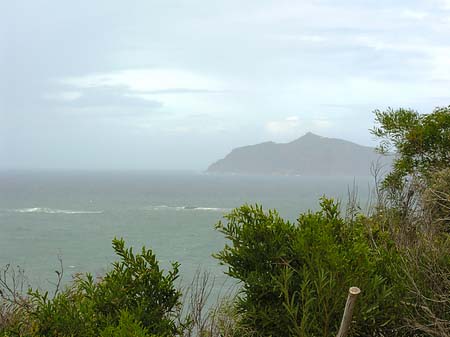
(216, 209)
(47, 210)
(160, 207)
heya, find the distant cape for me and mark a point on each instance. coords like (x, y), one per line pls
(307, 156)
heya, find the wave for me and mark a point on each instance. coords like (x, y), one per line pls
(218, 209)
(53, 211)
(191, 208)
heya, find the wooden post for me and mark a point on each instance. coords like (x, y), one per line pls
(353, 293)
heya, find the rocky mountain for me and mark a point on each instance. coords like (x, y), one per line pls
(308, 155)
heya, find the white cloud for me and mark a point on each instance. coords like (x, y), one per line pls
(415, 15)
(321, 124)
(292, 119)
(178, 129)
(381, 44)
(444, 4)
(286, 125)
(147, 80)
(178, 92)
(437, 57)
(293, 127)
(313, 38)
(440, 64)
(64, 96)
(365, 91)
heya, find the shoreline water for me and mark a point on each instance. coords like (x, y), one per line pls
(77, 214)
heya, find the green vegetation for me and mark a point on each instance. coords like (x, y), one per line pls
(422, 142)
(135, 296)
(294, 277)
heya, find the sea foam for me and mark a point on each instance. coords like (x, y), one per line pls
(191, 208)
(47, 210)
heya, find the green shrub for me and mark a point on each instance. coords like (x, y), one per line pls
(127, 327)
(69, 313)
(421, 142)
(135, 290)
(295, 277)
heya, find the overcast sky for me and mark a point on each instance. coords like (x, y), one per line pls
(178, 84)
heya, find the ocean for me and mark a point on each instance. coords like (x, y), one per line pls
(75, 215)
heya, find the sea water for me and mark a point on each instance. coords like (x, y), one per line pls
(75, 215)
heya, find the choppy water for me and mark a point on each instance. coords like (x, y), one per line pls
(77, 214)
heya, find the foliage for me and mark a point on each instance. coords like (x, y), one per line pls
(13, 301)
(135, 294)
(295, 277)
(414, 207)
(426, 271)
(436, 200)
(128, 327)
(422, 142)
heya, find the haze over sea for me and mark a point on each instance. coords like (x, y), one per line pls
(76, 214)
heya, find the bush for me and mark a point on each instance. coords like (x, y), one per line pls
(135, 293)
(426, 271)
(436, 200)
(295, 277)
(421, 142)
(128, 327)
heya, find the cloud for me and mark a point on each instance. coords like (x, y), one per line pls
(283, 126)
(145, 69)
(184, 91)
(313, 38)
(196, 124)
(63, 96)
(321, 124)
(148, 81)
(435, 56)
(444, 4)
(415, 15)
(178, 129)
(103, 96)
(294, 126)
(168, 91)
(439, 60)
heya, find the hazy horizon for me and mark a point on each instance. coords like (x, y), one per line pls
(154, 170)
(176, 85)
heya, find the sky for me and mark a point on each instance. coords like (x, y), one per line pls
(171, 84)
